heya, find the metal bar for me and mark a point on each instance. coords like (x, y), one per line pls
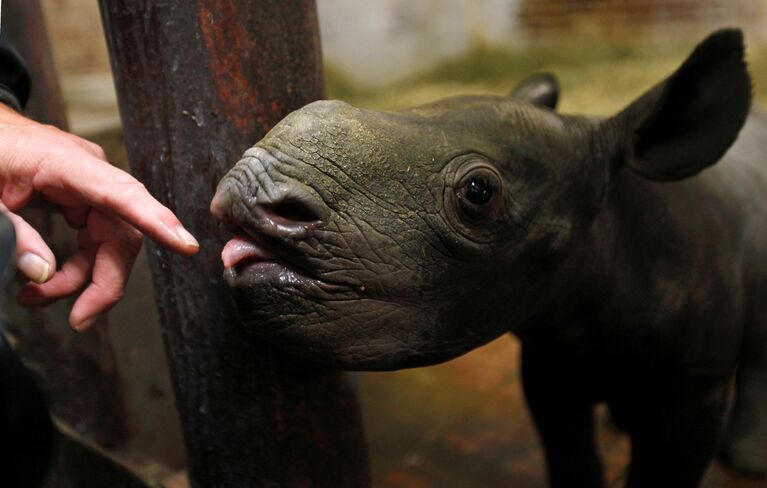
(198, 83)
(79, 463)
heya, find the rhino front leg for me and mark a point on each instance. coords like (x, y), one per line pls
(745, 442)
(556, 390)
(745, 445)
(675, 425)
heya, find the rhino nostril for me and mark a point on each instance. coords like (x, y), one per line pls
(294, 211)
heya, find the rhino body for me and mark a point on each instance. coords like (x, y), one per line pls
(627, 254)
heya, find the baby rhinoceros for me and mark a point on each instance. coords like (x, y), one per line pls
(632, 267)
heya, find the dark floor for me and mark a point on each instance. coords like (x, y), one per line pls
(464, 424)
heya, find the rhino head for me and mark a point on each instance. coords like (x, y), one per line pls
(376, 240)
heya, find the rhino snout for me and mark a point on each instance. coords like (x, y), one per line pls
(255, 197)
(277, 222)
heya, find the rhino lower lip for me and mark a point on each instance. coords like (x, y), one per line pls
(274, 274)
(248, 263)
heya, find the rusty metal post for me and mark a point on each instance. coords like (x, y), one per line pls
(80, 375)
(198, 83)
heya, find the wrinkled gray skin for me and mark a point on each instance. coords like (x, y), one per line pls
(631, 277)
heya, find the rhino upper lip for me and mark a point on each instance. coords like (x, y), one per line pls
(268, 251)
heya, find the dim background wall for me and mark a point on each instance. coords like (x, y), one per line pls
(376, 42)
(373, 43)
(639, 18)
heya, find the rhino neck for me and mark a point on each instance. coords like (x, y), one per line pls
(587, 271)
(607, 274)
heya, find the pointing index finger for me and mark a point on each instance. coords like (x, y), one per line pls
(116, 192)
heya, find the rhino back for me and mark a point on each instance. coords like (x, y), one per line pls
(671, 261)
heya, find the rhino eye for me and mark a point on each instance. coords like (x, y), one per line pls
(479, 191)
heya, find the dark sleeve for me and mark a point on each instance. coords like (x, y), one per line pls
(14, 79)
(26, 431)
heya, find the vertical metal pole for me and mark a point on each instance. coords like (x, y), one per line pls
(198, 83)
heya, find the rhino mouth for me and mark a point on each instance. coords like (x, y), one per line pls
(251, 261)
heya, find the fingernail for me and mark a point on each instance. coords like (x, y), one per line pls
(185, 236)
(83, 326)
(34, 267)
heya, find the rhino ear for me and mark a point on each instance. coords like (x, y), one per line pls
(690, 120)
(541, 89)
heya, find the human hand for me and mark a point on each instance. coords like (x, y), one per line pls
(110, 209)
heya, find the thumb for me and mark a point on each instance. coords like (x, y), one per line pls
(34, 258)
